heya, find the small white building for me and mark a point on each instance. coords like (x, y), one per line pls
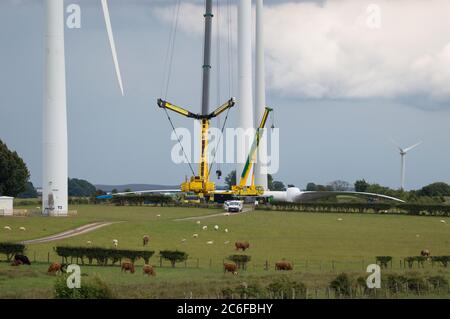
(6, 206)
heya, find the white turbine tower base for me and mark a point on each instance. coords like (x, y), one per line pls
(245, 87)
(54, 184)
(54, 133)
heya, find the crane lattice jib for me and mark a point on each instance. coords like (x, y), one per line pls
(254, 148)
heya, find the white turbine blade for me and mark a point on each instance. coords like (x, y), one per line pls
(396, 144)
(112, 43)
(412, 147)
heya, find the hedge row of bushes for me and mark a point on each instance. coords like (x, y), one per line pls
(10, 249)
(410, 209)
(139, 200)
(280, 288)
(102, 255)
(346, 286)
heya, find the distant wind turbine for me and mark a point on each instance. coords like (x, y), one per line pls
(403, 152)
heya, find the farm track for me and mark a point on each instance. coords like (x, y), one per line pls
(70, 233)
(245, 210)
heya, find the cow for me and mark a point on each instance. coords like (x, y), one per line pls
(148, 270)
(23, 259)
(16, 263)
(425, 253)
(230, 267)
(128, 266)
(283, 265)
(145, 240)
(242, 245)
(55, 268)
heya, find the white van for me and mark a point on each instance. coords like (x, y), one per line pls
(233, 206)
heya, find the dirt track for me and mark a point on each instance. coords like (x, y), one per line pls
(70, 233)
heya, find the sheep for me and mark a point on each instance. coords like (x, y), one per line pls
(227, 242)
(115, 242)
(227, 214)
(340, 219)
(88, 242)
(226, 230)
(443, 221)
(159, 215)
(205, 227)
(183, 240)
(195, 236)
(7, 228)
(209, 242)
(22, 228)
(216, 227)
(198, 222)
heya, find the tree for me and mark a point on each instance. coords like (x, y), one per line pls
(361, 185)
(230, 180)
(435, 190)
(311, 187)
(340, 186)
(80, 188)
(14, 173)
(114, 191)
(173, 256)
(275, 185)
(29, 192)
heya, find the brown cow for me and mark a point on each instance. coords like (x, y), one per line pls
(425, 253)
(148, 270)
(56, 268)
(242, 245)
(230, 267)
(283, 265)
(145, 240)
(128, 266)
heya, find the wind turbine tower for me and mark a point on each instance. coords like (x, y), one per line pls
(54, 145)
(403, 152)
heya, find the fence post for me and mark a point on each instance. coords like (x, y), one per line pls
(267, 265)
(48, 257)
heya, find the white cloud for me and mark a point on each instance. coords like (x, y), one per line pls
(329, 50)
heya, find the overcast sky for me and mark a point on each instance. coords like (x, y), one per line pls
(340, 88)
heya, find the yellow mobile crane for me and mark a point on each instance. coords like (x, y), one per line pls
(200, 184)
(242, 189)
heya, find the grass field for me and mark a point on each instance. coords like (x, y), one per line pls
(319, 245)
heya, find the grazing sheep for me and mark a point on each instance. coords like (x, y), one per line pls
(340, 219)
(159, 215)
(195, 236)
(226, 230)
(230, 267)
(242, 245)
(205, 227)
(425, 253)
(227, 214)
(88, 242)
(148, 270)
(7, 228)
(127, 266)
(209, 242)
(216, 227)
(115, 242)
(198, 222)
(227, 242)
(183, 240)
(145, 240)
(443, 221)
(22, 228)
